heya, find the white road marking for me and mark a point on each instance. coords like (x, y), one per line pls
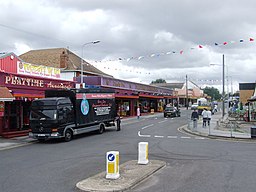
(172, 137)
(199, 138)
(185, 137)
(143, 135)
(147, 126)
(162, 121)
(159, 136)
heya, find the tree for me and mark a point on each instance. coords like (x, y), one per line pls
(158, 81)
(213, 92)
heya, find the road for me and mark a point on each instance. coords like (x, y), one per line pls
(194, 163)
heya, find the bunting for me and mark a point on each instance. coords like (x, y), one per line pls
(180, 52)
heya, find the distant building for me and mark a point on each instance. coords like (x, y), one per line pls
(194, 91)
(246, 91)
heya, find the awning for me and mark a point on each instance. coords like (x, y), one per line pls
(253, 98)
(5, 94)
(151, 96)
(126, 96)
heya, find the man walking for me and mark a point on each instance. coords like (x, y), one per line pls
(194, 118)
(209, 116)
(205, 117)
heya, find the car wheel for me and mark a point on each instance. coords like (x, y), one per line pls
(68, 135)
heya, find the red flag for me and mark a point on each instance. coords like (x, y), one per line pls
(200, 46)
(181, 52)
(251, 39)
(225, 43)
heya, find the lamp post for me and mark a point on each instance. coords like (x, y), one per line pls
(187, 91)
(82, 60)
(223, 85)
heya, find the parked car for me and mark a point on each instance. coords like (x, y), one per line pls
(194, 106)
(171, 112)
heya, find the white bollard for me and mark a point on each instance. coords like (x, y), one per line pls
(143, 153)
(112, 159)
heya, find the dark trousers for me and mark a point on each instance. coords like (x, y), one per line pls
(204, 122)
(208, 121)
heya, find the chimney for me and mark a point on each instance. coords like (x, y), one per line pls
(63, 59)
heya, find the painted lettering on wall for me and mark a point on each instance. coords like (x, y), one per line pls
(39, 83)
(14, 80)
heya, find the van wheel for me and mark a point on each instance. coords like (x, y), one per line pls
(68, 135)
(101, 129)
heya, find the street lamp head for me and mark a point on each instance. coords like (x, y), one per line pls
(94, 42)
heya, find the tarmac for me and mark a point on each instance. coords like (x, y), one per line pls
(132, 173)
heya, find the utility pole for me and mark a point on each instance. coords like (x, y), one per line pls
(223, 87)
(187, 91)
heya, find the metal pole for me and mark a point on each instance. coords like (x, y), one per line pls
(82, 61)
(187, 92)
(223, 87)
(82, 68)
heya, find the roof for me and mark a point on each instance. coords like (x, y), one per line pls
(5, 94)
(169, 85)
(52, 58)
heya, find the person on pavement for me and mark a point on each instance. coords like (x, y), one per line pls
(205, 117)
(209, 116)
(194, 118)
(138, 112)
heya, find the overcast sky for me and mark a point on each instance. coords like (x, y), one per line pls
(141, 40)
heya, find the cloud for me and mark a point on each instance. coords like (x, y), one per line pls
(144, 34)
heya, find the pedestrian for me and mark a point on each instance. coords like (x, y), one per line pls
(205, 117)
(118, 122)
(194, 118)
(138, 112)
(209, 116)
(215, 108)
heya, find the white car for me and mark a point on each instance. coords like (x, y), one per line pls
(194, 106)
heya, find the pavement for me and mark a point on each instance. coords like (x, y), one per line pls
(15, 142)
(221, 128)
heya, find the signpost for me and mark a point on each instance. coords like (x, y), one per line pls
(112, 159)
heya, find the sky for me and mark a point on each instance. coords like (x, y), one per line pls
(142, 40)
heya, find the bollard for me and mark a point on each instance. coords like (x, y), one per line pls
(112, 159)
(143, 153)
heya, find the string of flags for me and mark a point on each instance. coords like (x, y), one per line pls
(180, 52)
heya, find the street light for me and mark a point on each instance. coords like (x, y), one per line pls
(223, 85)
(82, 61)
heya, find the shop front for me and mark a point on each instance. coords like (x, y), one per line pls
(14, 111)
(130, 95)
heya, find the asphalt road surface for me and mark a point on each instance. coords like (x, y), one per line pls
(194, 164)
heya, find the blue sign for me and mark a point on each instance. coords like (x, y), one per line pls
(85, 107)
(111, 157)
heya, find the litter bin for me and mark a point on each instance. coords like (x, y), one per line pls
(253, 132)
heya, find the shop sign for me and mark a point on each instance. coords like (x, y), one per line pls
(39, 83)
(38, 70)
